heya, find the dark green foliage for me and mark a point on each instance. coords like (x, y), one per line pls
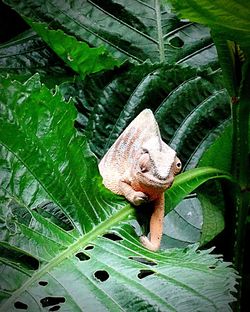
(137, 30)
(67, 242)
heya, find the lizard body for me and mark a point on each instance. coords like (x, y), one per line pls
(140, 166)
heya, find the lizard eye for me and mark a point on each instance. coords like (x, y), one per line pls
(144, 169)
(178, 165)
(144, 163)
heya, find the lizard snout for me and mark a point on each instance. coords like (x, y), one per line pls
(169, 181)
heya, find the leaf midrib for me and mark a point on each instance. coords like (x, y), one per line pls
(100, 229)
(159, 31)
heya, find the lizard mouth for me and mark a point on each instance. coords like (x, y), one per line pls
(156, 181)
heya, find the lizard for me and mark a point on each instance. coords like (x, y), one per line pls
(141, 166)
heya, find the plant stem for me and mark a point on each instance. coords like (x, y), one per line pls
(241, 169)
(159, 30)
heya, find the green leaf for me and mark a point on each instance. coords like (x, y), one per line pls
(218, 154)
(40, 136)
(183, 224)
(136, 30)
(213, 217)
(219, 134)
(27, 54)
(98, 261)
(189, 180)
(78, 55)
(74, 91)
(229, 18)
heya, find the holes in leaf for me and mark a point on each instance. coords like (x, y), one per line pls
(112, 236)
(212, 267)
(143, 260)
(32, 262)
(82, 256)
(145, 273)
(176, 42)
(20, 305)
(89, 247)
(55, 308)
(50, 301)
(19, 257)
(101, 275)
(43, 283)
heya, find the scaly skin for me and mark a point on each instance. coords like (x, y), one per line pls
(140, 166)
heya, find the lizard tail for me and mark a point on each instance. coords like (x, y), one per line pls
(156, 225)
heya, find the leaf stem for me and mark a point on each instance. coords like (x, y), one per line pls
(241, 170)
(159, 30)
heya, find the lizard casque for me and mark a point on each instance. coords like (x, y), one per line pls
(140, 166)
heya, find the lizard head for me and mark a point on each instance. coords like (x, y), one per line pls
(157, 165)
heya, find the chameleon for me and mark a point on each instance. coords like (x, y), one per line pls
(141, 166)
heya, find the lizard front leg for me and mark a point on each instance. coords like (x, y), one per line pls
(156, 225)
(135, 197)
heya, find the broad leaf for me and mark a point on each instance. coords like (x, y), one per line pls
(208, 152)
(192, 179)
(97, 261)
(28, 54)
(137, 30)
(184, 224)
(74, 91)
(218, 155)
(76, 54)
(213, 150)
(213, 214)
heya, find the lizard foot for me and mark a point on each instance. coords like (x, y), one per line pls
(139, 198)
(146, 243)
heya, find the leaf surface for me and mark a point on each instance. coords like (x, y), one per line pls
(190, 180)
(228, 17)
(27, 54)
(76, 54)
(137, 30)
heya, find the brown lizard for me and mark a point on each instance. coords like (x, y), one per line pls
(140, 166)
